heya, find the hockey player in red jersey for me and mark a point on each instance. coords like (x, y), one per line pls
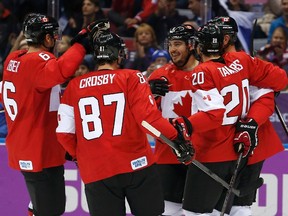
(171, 84)
(30, 93)
(100, 119)
(221, 96)
(262, 106)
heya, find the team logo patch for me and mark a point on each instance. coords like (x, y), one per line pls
(139, 163)
(25, 165)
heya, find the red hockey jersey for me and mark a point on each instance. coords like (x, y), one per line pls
(269, 143)
(31, 98)
(177, 102)
(221, 94)
(100, 119)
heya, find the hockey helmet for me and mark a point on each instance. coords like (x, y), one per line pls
(228, 26)
(108, 46)
(182, 32)
(210, 39)
(36, 26)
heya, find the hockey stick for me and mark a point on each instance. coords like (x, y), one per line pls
(281, 118)
(231, 185)
(252, 38)
(237, 192)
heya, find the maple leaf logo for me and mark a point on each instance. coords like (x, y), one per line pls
(184, 108)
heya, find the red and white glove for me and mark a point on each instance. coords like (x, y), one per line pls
(245, 139)
(185, 152)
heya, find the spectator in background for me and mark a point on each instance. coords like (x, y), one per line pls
(145, 44)
(91, 11)
(64, 44)
(264, 22)
(276, 51)
(197, 8)
(126, 15)
(19, 43)
(86, 66)
(9, 29)
(165, 17)
(280, 21)
(159, 58)
(237, 5)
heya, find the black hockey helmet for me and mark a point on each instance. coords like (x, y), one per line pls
(108, 46)
(210, 39)
(228, 26)
(182, 32)
(36, 26)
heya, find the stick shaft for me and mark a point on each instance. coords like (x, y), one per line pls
(158, 134)
(231, 185)
(281, 118)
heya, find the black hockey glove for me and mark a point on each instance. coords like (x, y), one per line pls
(159, 87)
(82, 38)
(185, 152)
(246, 139)
(97, 27)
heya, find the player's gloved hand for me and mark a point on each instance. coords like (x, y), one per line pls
(185, 152)
(245, 139)
(81, 38)
(97, 27)
(159, 87)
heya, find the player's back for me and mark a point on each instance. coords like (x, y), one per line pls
(231, 81)
(261, 73)
(31, 113)
(109, 106)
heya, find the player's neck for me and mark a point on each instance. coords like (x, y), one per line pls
(36, 49)
(208, 58)
(231, 49)
(192, 63)
(107, 66)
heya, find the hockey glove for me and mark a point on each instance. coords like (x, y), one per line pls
(185, 152)
(81, 38)
(245, 139)
(97, 27)
(159, 87)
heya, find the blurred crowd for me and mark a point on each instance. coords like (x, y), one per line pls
(144, 23)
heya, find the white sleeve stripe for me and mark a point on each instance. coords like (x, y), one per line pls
(66, 120)
(256, 92)
(209, 100)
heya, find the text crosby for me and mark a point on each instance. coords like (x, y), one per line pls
(97, 80)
